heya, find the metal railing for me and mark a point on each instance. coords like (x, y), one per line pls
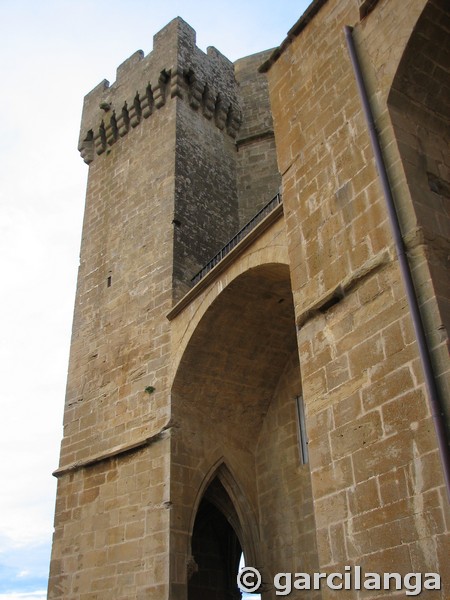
(240, 235)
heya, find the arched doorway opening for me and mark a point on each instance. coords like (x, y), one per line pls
(419, 107)
(216, 548)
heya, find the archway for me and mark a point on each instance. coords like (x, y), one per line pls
(216, 548)
(237, 354)
(234, 402)
(419, 106)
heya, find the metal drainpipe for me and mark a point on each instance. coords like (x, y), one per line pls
(436, 406)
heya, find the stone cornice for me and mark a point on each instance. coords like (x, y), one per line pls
(112, 453)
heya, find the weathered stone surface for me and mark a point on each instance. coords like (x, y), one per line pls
(362, 383)
(179, 411)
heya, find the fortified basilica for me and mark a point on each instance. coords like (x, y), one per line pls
(260, 360)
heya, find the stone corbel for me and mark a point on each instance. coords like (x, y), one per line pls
(123, 121)
(221, 113)
(135, 112)
(100, 140)
(176, 83)
(234, 121)
(196, 93)
(159, 90)
(147, 102)
(86, 148)
(208, 102)
(111, 132)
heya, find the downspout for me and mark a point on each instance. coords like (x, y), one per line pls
(436, 406)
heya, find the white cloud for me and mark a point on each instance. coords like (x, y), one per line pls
(23, 567)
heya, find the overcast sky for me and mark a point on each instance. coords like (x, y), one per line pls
(52, 52)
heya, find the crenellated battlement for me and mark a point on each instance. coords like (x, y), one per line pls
(175, 68)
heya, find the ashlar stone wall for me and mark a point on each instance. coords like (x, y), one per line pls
(377, 484)
(235, 382)
(162, 198)
(181, 397)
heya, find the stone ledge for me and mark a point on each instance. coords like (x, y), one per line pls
(330, 298)
(112, 453)
(256, 137)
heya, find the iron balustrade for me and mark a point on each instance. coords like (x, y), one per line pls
(240, 235)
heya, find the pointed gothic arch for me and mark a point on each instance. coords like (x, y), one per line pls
(215, 547)
(234, 415)
(223, 490)
(221, 530)
(419, 108)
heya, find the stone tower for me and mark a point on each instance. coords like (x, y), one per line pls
(244, 373)
(181, 154)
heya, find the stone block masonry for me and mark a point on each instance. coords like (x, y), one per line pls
(377, 500)
(215, 98)
(174, 68)
(162, 197)
(182, 433)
